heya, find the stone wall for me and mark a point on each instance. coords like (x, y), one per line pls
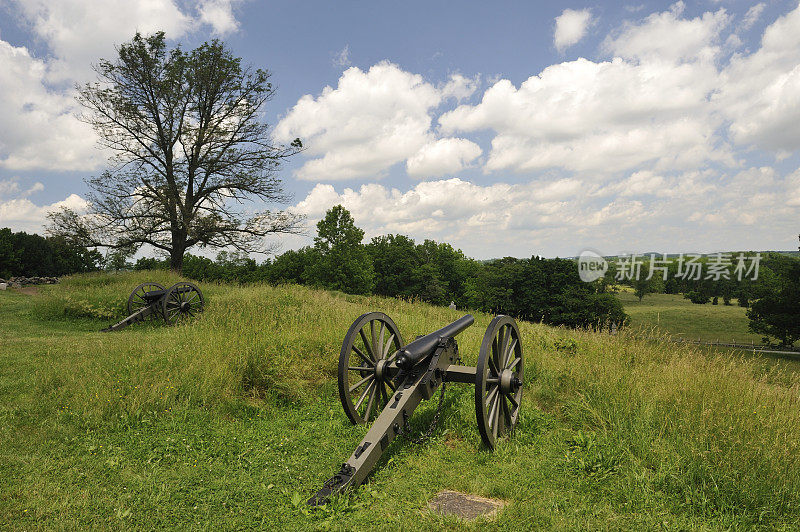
(19, 282)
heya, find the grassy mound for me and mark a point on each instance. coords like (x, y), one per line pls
(233, 419)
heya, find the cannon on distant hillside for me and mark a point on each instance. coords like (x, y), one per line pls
(150, 300)
(381, 378)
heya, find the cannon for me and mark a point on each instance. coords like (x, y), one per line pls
(151, 300)
(382, 380)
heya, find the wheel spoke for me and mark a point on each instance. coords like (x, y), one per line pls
(504, 350)
(498, 352)
(387, 345)
(374, 345)
(384, 394)
(493, 367)
(516, 361)
(506, 415)
(509, 353)
(515, 411)
(491, 394)
(363, 395)
(389, 383)
(379, 345)
(493, 410)
(511, 398)
(361, 382)
(358, 368)
(364, 357)
(496, 414)
(367, 346)
(370, 403)
(492, 380)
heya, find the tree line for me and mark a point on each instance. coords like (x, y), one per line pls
(23, 254)
(534, 289)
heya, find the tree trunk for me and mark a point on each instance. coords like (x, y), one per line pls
(177, 251)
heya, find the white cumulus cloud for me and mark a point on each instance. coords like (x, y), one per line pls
(648, 106)
(760, 93)
(752, 15)
(79, 32)
(642, 212)
(571, 26)
(21, 214)
(38, 129)
(37, 125)
(442, 157)
(219, 15)
(372, 120)
(667, 37)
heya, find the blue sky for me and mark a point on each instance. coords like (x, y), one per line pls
(513, 128)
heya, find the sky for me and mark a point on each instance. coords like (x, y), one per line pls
(503, 128)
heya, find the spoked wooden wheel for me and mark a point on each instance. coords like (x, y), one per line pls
(365, 380)
(138, 300)
(182, 300)
(498, 381)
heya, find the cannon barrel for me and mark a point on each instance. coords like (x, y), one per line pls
(422, 347)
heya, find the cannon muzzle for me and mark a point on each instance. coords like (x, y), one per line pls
(422, 347)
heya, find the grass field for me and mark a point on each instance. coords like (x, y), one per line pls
(681, 318)
(233, 420)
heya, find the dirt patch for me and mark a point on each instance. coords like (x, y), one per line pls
(27, 290)
(463, 505)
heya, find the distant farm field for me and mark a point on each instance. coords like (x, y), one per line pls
(231, 421)
(681, 318)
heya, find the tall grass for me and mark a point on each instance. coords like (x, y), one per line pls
(714, 435)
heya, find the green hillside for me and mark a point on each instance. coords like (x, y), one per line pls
(676, 315)
(233, 420)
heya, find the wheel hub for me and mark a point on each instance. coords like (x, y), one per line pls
(509, 383)
(380, 369)
(185, 306)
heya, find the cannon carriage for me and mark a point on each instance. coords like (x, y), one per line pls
(151, 300)
(382, 381)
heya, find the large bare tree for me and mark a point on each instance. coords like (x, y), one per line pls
(189, 152)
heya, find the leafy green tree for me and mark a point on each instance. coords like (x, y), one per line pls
(293, 266)
(394, 260)
(116, 260)
(342, 262)
(9, 255)
(641, 287)
(70, 257)
(35, 256)
(189, 147)
(775, 314)
(151, 263)
(697, 297)
(452, 269)
(31, 254)
(547, 290)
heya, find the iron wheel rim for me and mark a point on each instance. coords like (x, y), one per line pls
(362, 391)
(500, 361)
(183, 300)
(137, 300)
